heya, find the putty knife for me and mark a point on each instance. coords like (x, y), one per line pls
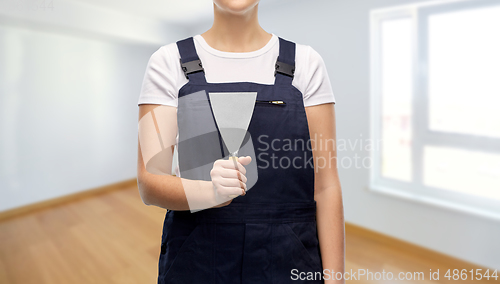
(233, 112)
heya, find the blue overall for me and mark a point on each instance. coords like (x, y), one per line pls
(268, 235)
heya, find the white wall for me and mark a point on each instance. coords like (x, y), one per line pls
(69, 85)
(339, 31)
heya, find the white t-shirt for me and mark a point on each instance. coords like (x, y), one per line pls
(164, 76)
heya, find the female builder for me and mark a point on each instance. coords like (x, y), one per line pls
(285, 224)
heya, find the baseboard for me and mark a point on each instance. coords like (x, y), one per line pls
(411, 248)
(30, 208)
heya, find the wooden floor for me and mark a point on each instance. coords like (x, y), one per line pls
(115, 238)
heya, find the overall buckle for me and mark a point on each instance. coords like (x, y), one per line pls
(191, 67)
(284, 68)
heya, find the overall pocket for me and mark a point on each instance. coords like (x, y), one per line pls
(304, 235)
(192, 262)
(295, 253)
(177, 239)
(172, 254)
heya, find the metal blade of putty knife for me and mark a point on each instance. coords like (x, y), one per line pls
(233, 112)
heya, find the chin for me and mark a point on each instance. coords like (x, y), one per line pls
(236, 6)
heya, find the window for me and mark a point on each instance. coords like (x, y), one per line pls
(435, 75)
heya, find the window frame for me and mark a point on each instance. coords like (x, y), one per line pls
(421, 134)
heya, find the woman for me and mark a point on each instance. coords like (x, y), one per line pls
(289, 227)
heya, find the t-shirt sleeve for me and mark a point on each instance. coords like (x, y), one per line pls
(318, 89)
(158, 85)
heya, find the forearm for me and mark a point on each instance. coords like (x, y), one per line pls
(330, 220)
(175, 193)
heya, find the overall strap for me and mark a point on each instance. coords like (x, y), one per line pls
(190, 62)
(285, 64)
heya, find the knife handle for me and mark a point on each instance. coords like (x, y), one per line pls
(234, 158)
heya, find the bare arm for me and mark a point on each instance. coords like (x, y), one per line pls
(157, 185)
(328, 192)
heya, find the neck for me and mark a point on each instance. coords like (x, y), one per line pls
(232, 32)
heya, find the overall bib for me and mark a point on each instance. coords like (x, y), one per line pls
(268, 236)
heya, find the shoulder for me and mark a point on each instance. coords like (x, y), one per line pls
(163, 77)
(306, 56)
(311, 76)
(165, 63)
(309, 65)
(165, 55)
